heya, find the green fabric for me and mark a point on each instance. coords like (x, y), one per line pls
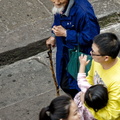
(73, 64)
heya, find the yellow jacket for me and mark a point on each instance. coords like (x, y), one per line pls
(111, 79)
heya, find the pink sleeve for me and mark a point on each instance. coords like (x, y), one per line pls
(84, 112)
(82, 82)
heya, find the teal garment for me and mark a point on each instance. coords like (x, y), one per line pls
(74, 64)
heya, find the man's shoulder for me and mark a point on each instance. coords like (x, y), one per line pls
(78, 10)
(83, 4)
(83, 8)
(118, 58)
(118, 62)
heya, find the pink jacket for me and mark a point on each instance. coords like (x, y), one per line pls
(84, 85)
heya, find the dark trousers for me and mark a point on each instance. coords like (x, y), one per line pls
(71, 92)
(65, 86)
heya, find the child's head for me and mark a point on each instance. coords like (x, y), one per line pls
(96, 97)
(61, 108)
(108, 44)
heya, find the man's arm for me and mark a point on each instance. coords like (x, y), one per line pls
(87, 28)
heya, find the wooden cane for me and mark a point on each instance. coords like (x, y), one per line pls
(52, 70)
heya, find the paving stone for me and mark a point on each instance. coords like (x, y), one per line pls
(27, 85)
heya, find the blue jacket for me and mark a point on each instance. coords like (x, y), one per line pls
(78, 18)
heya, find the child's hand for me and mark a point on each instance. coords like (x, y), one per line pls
(83, 60)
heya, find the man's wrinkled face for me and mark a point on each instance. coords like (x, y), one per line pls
(59, 5)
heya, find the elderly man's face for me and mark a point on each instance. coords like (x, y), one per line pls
(59, 5)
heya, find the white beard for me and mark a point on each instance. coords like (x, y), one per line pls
(57, 10)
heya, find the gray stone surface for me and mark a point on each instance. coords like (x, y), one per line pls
(27, 85)
(105, 7)
(113, 28)
(25, 21)
(27, 109)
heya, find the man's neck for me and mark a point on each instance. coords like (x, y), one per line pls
(108, 64)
